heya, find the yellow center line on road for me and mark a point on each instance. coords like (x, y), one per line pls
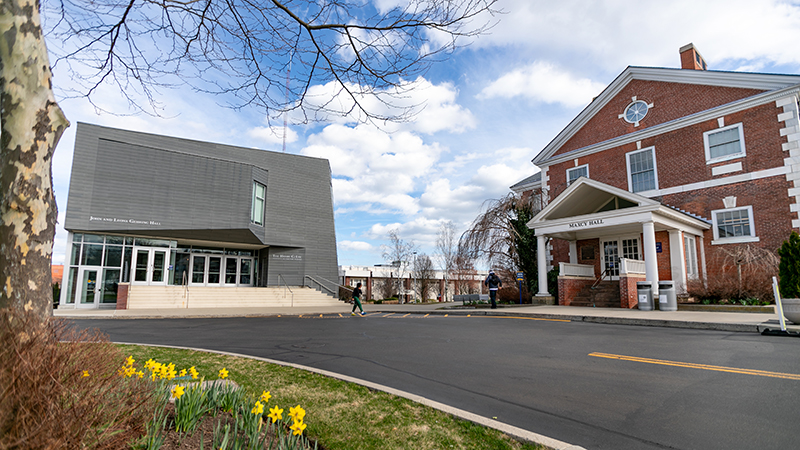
(390, 314)
(406, 315)
(530, 318)
(761, 373)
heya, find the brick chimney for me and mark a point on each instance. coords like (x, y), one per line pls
(691, 58)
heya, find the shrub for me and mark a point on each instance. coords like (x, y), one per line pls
(789, 267)
(746, 273)
(66, 394)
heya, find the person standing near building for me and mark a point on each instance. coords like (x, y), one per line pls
(357, 300)
(494, 283)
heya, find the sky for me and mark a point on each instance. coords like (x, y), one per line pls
(489, 109)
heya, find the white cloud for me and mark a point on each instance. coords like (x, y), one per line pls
(613, 34)
(543, 82)
(272, 135)
(359, 246)
(432, 108)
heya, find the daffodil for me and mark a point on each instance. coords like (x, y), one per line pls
(193, 372)
(129, 360)
(149, 363)
(177, 391)
(140, 374)
(258, 409)
(182, 373)
(297, 413)
(297, 427)
(223, 373)
(275, 414)
(85, 374)
(265, 396)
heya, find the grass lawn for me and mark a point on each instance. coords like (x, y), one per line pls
(340, 415)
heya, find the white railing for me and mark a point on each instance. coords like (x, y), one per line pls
(575, 270)
(631, 266)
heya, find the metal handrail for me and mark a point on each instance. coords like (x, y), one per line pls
(322, 285)
(600, 278)
(286, 286)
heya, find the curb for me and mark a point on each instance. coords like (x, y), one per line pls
(714, 326)
(518, 433)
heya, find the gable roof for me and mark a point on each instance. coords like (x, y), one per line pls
(583, 196)
(531, 182)
(765, 82)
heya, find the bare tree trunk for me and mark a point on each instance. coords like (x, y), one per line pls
(32, 123)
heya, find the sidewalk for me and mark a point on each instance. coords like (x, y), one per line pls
(721, 321)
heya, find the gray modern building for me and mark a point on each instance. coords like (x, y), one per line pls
(158, 221)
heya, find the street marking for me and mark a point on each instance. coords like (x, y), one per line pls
(426, 315)
(406, 316)
(530, 318)
(340, 315)
(761, 373)
(390, 314)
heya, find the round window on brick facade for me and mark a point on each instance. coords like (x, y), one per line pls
(636, 112)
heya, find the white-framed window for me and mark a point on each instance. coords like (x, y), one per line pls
(574, 173)
(259, 200)
(690, 253)
(733, 225)
(642, 174)
(724, 143)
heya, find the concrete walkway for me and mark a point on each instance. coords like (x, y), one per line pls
(721, 321)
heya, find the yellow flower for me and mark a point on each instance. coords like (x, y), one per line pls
(153, 376)
(130, 371)
(177, 391)
(140, 374)
(223, 373)
(258, 409)
(129, 360)
(297, 427)
(85, 374)
(275, 414)
(266, 396)
(182, 373)
(297, 413)
(149, 363)
(193, 372)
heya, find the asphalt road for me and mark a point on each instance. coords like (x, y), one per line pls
(594, 385)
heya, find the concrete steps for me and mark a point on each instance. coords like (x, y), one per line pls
(165, 297)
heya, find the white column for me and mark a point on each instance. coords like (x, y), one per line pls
(702, 250)
(650, 255)
(573, 252)
(677, 260)
(541, 265)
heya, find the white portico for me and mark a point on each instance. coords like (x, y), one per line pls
(621, 225)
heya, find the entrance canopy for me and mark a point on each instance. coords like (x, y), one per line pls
(590, 209)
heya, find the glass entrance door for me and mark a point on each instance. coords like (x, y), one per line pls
(611, 260)
(89, 291)
(150, 266)
(206, 270)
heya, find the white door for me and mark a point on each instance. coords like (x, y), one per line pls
(611, 260)
(205, 270)
(149, 265)
(88, 289)
(616, 248)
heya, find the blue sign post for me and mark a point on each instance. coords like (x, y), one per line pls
(519, 280)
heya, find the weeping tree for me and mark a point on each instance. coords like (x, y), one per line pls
(500, 236)
(313, 58)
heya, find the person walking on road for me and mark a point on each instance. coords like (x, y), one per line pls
(494, 283)
(357, 300)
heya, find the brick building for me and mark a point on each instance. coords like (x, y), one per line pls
(661, 171)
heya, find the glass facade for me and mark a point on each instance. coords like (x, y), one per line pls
(96, 264)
